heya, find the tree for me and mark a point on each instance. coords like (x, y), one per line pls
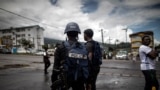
(45, 47)
(116, 41)
(26, 43)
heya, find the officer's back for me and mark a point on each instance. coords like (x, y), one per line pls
(65, 52)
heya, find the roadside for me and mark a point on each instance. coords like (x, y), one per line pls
(114, 74)
(8, 61)
(29, 62)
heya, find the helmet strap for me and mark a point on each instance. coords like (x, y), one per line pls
(77, 38)
(66, 39)
(71, 38)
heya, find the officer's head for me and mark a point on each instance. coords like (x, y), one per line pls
(72, 29)
(88, 34)
(146, 40)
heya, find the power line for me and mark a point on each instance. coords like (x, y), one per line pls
(6, 22)
(25, 17)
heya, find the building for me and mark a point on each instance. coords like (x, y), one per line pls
(136, 40)
(10, 37)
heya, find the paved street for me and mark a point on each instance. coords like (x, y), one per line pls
(114, 75)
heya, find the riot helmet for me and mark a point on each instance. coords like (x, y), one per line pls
(72, 26)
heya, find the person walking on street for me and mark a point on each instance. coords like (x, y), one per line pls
(46, 61)
(95, 58)
(72, 56)
(148, 63)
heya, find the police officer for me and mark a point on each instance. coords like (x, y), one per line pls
(72, 30)
(46, 61)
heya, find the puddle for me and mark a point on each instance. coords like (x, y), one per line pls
(14, 66)
(38, 62)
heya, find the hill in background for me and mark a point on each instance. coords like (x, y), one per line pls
(51, 41)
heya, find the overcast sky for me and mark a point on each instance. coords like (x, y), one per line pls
(110, 15)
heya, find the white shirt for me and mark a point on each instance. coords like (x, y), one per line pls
(146, 62)
(44, 53)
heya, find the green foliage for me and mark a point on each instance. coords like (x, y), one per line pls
(45, 47)
(26, 43)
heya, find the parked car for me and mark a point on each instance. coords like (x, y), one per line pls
(5, 51)
(31, 50)
(121, 55)
(50, 52)
(22, 50)
(39, 52)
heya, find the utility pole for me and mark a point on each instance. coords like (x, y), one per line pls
(116, 43)
(16, 40)
(126, 38)
(109, 40)
(102, 37)
(126, 29)
(33, 42)
(15, 37)
(126, 35)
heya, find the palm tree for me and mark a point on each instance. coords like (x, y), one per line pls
(116, 42)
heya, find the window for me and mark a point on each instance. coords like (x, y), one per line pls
(4, 32)
(9, 31)
(17, 30)
(23, 35)
(9, 36)
(18, 35)
(4, 37)
(23, 30)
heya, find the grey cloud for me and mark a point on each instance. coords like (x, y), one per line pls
(133, 3)
(89, 6)
(53, 2)
(141, 3)
(66, 11)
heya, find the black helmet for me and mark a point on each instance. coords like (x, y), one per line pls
(72, 26)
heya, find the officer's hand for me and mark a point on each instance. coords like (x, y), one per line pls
(62, 62)
(61, 67)
(90, 62)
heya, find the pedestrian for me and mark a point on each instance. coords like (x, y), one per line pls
(72, 56)
(95, 58)
(134, 58)
(46, 61)
(156, 49)
(147, 57)
(131, 56)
